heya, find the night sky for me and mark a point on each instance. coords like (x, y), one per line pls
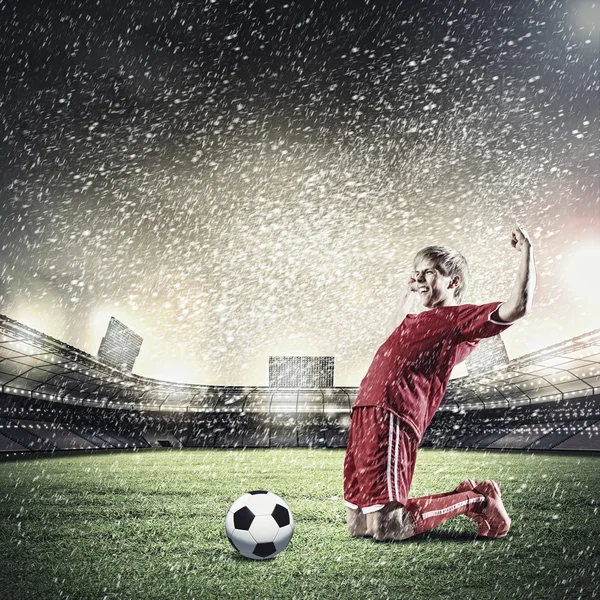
(235, 180)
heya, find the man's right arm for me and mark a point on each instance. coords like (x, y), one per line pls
(521, 297)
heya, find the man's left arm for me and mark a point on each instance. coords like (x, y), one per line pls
(521, 297)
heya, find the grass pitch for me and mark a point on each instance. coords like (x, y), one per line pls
(150, 525)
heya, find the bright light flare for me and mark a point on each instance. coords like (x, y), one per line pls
(581, 271)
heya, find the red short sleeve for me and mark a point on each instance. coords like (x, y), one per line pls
(475, 322)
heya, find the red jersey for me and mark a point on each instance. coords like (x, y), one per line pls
(410, 371)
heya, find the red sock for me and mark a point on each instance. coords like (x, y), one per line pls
(442, 495)
(428, 512)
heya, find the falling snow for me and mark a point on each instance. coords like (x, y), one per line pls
(238, 181)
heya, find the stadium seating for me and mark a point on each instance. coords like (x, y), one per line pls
(570, 425)
(39, 426)
(55, 398)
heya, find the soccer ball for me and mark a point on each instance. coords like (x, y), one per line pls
(259, 525)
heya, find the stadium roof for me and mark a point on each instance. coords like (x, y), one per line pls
(35, 365)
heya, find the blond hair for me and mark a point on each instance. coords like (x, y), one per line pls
(449, 262)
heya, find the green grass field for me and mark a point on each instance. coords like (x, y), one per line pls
(150, 525)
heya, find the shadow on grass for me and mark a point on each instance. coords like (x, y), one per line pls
(445, 536)
(449, 536)
(240, 558)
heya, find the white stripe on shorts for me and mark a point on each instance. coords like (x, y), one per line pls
(389, 463)
(396, 461)
(371, 509)
(393, 451)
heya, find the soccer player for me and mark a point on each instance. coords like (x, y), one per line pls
(403, 388)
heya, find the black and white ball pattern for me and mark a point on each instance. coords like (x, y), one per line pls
(259, 525)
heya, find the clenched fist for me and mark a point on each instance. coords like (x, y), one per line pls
(520, 238)
(413, 286)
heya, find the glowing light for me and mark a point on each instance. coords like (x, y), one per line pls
(585, 18)
(175, 372)
(580, 270)
(100, 319)
(32, 318)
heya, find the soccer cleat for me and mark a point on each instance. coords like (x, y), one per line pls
(493, 520)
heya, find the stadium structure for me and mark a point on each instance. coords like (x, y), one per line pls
(56, 398)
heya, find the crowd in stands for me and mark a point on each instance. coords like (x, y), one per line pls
(29, 425)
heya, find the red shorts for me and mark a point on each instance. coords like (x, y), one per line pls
(380, 459)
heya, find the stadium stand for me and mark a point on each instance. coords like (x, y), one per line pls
(54, 398)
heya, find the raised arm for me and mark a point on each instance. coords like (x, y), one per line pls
(521, 297)
(403, 306)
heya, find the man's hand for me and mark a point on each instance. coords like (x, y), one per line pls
(404, 304)
(520, 238)
(413, 286)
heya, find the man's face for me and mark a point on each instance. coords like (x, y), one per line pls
(433, 287)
